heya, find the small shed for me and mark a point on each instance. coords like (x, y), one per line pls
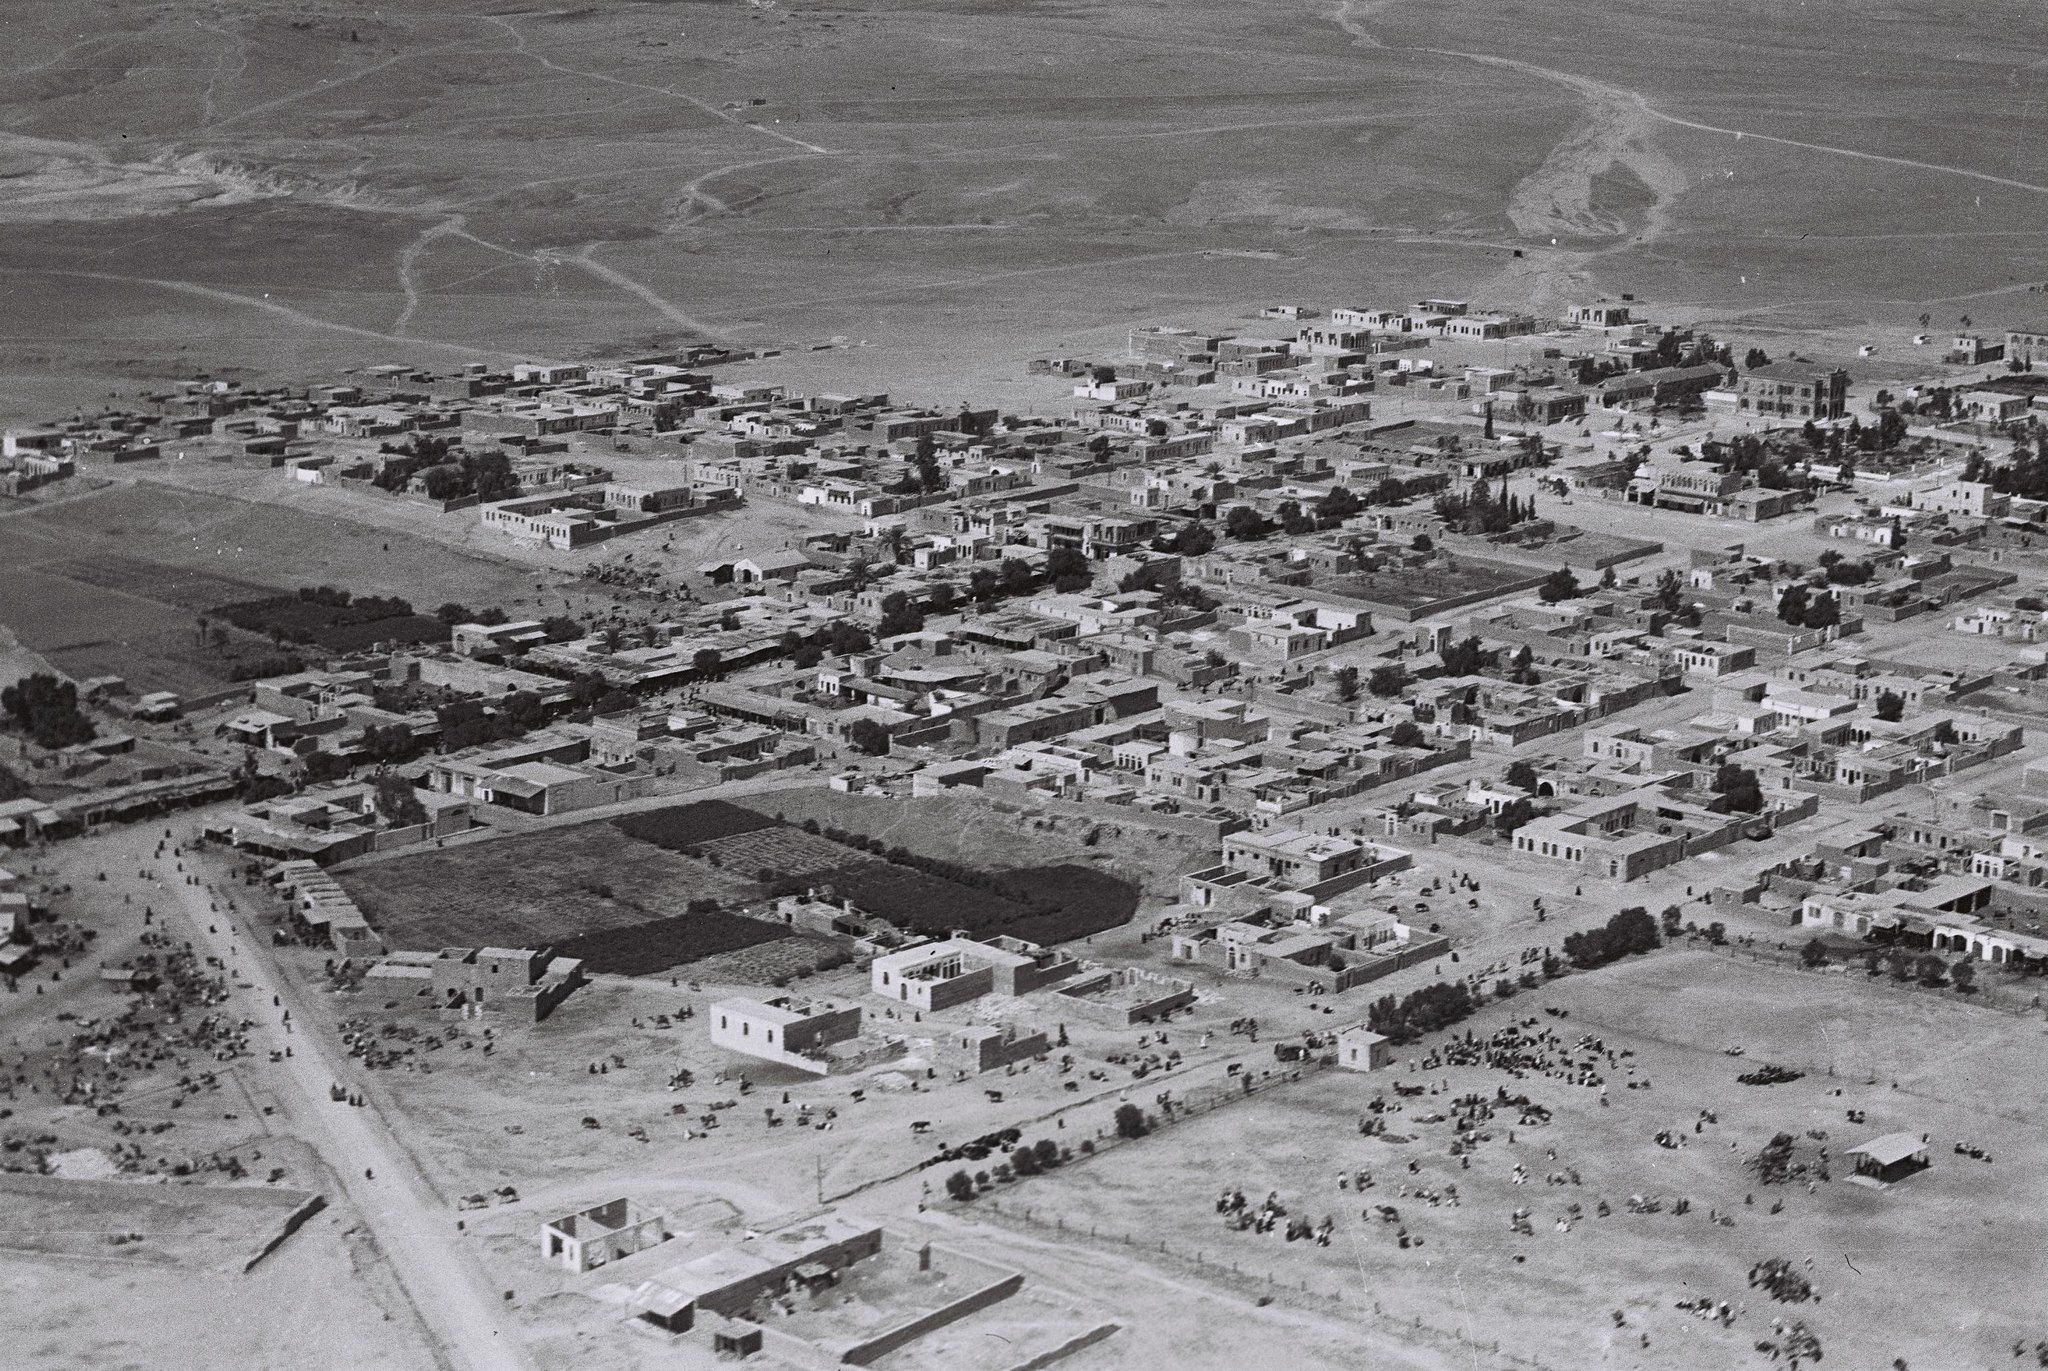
(1361, 1049)
(669, 1310)
(1892, 1157)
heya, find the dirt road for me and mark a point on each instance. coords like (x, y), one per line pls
(415, 1232)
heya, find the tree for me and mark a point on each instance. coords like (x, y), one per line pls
(1345, 679)
(960, 1186)
(1521, 776)
(1467, 657)
(1513, 815)
(1963, 975)
(1522, 670)
(325, 766)
(1387, 680)
(1068, 570)
(1792, 604)
(1336, 506)
(1024, 1161)
(899, 615)
(1292, 520)
(1629, 932)
(925, 460)
(1406, 734)
(452, 614)
(523, 710)
(1932, 970)
(1667, 594)
(1194, 539)
(47, 710)
(1824, 612)
(1814, 954)
(1130, 1121)
(1738, 785)
(1244, 524)
(399, 802)
(706, 661)
(868, 736)
(1421, 542)
(1754, 358)
(1891, 706)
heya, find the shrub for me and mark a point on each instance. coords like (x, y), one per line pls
(1130, 1121)
(960, 1186)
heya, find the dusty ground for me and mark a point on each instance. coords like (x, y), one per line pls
(1939, 1270)
(961, 185)
(320, 1300)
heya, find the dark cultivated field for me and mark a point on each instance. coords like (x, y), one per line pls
(660, 944)
(1042, 905)
(339, 628)
(691, 825)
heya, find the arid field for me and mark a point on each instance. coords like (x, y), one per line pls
(961, 185)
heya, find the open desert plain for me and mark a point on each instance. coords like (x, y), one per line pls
(982, 685)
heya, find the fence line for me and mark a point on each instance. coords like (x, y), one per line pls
(1265, 1284)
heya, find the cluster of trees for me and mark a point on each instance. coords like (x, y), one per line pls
(1245, 524)
(46, 709)
(1801, 608)
(466, 723)
(1746, 453)
(1025, 1159)
(1940, 403)
(1010, 577)
(1631, 931)
(486, 475)
(1151, 577)
(1479, 510)
(1906, 964)
(2024, 472)
(838, 639)
(1425, 1011)
(1842, 572)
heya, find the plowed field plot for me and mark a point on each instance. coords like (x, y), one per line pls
(768, 853)
(533, 890)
